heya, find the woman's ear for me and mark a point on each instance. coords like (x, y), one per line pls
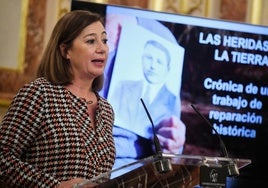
(63, 51)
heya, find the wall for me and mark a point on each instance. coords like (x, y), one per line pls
(11, 79)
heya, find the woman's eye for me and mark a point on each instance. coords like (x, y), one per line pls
(105, 41)
(91, 41)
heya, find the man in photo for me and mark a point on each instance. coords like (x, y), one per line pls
(133, 131)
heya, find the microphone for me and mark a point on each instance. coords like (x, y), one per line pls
(231, 167)
(156, 140)
(223, 147)
(162, 165)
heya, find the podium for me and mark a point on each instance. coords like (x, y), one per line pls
(171, 170)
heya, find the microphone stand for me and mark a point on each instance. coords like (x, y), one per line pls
(232, 168)
(162, 164)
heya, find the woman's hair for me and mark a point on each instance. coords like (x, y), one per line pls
(54, 66)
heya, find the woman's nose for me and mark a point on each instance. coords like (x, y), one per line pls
(102, 47)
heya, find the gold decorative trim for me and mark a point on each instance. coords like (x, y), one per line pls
(156, 5)
(64, 6)
(23, 34)
(255, 11)
(4, 102)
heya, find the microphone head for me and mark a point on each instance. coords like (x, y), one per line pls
(163, 165)
(232, 169)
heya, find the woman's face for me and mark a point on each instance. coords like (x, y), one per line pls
(89, 51)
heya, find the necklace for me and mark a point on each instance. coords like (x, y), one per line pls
(89, 102)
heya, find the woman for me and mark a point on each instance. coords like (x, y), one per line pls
(58, 130)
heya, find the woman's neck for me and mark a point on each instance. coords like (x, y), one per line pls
(83, 91)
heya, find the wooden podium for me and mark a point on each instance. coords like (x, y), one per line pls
(170, 170)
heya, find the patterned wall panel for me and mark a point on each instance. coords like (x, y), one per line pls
(12, 80)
